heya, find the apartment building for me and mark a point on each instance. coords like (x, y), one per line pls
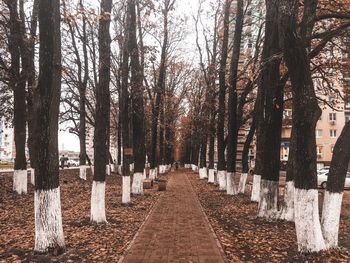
(7, 145)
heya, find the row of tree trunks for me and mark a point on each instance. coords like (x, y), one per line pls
(160, 86)
(98, 213)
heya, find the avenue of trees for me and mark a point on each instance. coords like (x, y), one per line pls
(118, 71)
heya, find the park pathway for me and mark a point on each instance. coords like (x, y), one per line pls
(176, 230)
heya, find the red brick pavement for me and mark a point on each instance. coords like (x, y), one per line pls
(176, 230)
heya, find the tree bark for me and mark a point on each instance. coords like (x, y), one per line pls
(138, 114)
(273, 113)
(222, 95)
(232, 101)
(335, 186)
(17, 83)
(48, 219)
(305, 116)
(98, 214)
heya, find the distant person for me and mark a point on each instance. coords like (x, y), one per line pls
(62, 160)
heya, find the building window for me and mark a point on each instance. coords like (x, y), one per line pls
(319, 150)
(333, 133)
(332, 116)
(319, 133)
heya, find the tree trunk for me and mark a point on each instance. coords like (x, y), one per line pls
(273, 113)
(17, 82)
(138, 114)
(222, 94)
(159, 94)
(232, 102)
(98, 213)
(245, 158)
(82, 104)
(47, 204)
(287, 210)
(31, 85)
(124, 103)
(335, 187)
(305, 116)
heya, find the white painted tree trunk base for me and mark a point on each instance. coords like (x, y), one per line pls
(20, 181)
(131, 166)
(255, 197)
(108, 169)
(242, 183)
(98, 208)
(120, 167)
(162, 169)
(287, 211)
(137, 184)
(230, 184)
(32, 176)
(92, 170)
(203, 173)
(222, 180)
(268, 199)
(113, 168)
(211, 177)
(330, 218)
(48, 221)
(82, 172)
(307, 221)
(152, 174)
(144, 177)
(126, 190)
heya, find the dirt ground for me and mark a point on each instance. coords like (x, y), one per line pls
(85, 242)
(250, 239)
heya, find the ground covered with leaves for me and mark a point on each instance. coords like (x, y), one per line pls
(244, 237)
(84, 241)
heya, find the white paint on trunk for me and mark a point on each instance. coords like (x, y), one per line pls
(92, 170)
(32, 176)
(162, 169)
(268, 199)
(203, 173)
(144, 177)
(307, 221)
(126, 190)
(120, 169)
(330, 218)
(98, 208)
(82, 172)
(48, 220)
(108, 169)
(137, 184)
(256, 188)
(113, 168)
(20, 181)
(242, 183)
(222, 180)
(131, 166)
(152, 174)
(287, 212)
(230, 184)
(211, 177)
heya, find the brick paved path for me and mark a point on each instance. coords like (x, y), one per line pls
(176, 230)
